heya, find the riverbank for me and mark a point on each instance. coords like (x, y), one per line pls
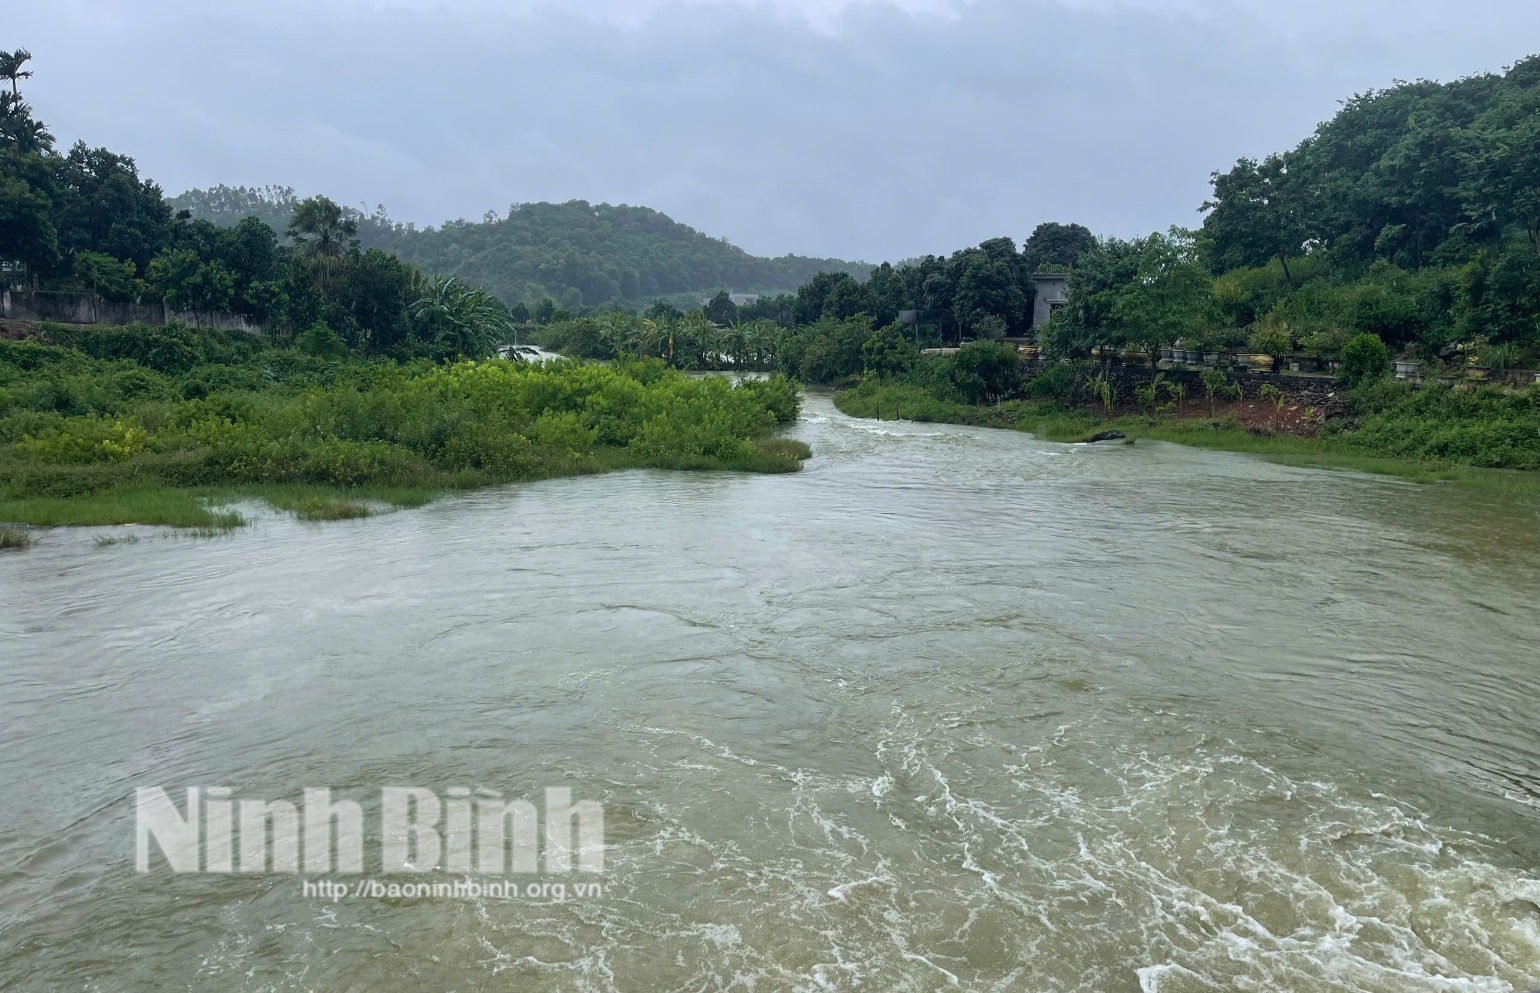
(1286, 433)
(174, 426)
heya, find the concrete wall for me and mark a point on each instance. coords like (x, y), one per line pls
(1052, 292)
(82, 308)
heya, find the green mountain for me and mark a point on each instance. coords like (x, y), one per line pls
(576, 253)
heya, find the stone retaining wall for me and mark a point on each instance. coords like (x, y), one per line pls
(1326, 394)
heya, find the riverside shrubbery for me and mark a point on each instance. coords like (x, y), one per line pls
(1485, 427)
(75, 422)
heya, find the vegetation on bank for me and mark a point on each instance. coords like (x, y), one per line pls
(1428, 434)
(1413, 215)
(164, 425)
(1408, 226)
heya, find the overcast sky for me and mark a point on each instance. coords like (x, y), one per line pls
(872, 129)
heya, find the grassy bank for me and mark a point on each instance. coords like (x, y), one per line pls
(1397, 428)
(151, 426)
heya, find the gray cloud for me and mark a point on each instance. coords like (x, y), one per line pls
(861, 129)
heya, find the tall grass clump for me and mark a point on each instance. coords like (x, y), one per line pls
(15, 538)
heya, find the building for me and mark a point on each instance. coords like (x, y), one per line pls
(739, 299)
(1052, 293)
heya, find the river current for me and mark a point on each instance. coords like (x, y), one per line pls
(952, 708)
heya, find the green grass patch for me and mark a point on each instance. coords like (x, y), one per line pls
(157, 506)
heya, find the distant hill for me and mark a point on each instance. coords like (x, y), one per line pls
(575, 252)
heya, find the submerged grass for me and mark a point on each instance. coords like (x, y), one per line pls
(16, 538)
(207, 508)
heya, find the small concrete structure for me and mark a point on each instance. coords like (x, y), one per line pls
(1052, 293)
(1410, 372)
(738, 299)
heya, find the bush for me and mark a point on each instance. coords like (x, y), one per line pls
(1057, 382)
(985, 371)
(87, 439)
(1486, 427)
(321, 341)
(1364, 359)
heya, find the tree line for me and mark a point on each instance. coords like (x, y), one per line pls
(1411, 217)
(576, 254)
(86, 220)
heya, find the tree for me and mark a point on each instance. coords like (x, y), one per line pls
(889, 352)
(321, 341)
(27, 234)
(106, 276)
(323, 235)
(721, 310)
(1088, 319)
(187, 282)
(19, 131)
(103, 206)
(1215, 382)
(1502, 175)
(1257, 213)
(846, 299)
(989, 288)
(11, 68)
(376, 289)
(828, 351)
(813, 295)
(1170, 295)
(1054, 245)
(455, 319)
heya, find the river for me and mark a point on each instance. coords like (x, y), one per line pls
(952, 708)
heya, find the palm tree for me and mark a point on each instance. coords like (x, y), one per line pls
(458, 319)
(18, 129)
(322, 234)
(10, 68)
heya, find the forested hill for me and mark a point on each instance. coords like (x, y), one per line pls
(577, 253)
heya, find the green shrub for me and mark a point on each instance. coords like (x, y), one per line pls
(87, 439)
(1057, 381)
(321, 341)
(1364, 359)
(1484, 427)
(986, 370)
